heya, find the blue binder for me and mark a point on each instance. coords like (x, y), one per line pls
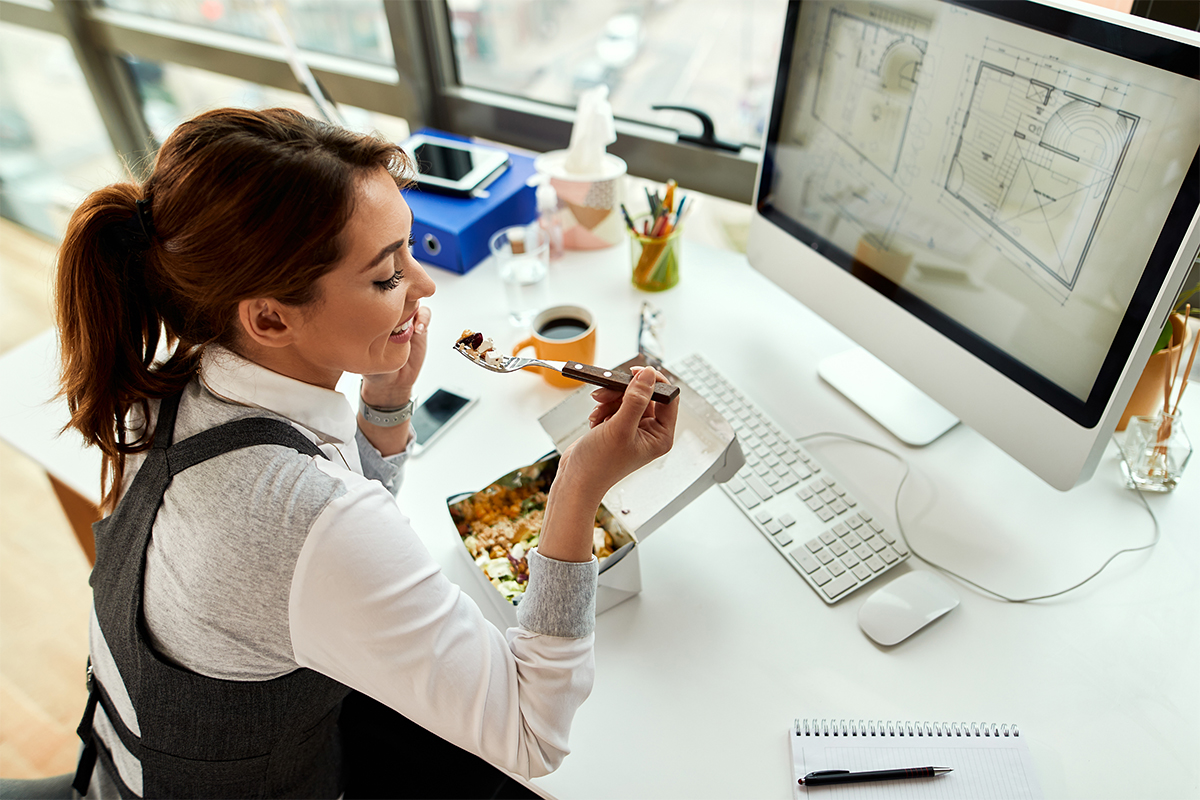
(453, 232)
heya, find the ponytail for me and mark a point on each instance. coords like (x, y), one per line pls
(110, 327)
(241, 204)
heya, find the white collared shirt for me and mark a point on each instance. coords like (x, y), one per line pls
(263, 560)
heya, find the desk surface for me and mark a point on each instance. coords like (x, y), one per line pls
(700, 675)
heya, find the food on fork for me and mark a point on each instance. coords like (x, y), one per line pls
(477, 347)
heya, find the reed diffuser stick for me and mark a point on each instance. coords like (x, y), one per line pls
(1188, 371)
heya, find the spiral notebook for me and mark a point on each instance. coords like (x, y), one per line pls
(988, 760)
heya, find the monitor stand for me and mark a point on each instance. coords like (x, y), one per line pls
(907, 412)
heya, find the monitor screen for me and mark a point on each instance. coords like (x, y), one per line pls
(1019, 179)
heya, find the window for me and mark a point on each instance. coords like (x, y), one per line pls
(354, 28)
(171, 93)
(53, 145)
(714, 55)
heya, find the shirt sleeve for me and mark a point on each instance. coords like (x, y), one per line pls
(388, 470)
(370, 607)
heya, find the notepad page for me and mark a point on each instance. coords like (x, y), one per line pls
(984, 767)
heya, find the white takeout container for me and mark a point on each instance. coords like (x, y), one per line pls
(705, 452)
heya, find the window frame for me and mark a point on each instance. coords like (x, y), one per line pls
(422, 87)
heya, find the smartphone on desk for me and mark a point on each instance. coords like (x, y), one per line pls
(436, 413)
(454, 167)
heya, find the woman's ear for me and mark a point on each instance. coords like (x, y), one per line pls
(266, 322)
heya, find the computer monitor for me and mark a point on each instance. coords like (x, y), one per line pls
(1000, 201)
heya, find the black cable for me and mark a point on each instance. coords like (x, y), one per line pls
(952, 573)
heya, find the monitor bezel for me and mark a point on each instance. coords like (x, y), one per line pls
(1098, 33)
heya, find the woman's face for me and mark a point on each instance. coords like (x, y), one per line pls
(363, 318)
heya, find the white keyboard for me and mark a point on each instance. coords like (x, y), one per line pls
(828, 536)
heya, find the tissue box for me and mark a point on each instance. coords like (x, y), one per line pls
(453, 232)
(706, 452)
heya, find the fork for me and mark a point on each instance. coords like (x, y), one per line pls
(586, 373)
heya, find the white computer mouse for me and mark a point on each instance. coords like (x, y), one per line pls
(905, 605)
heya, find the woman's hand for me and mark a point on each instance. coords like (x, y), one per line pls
(394, 389)
(628, 431)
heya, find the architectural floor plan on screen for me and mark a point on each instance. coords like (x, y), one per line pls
(868, 76)
(1040, 153)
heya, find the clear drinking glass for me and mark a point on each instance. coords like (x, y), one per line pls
(522, 254)
(1156, 449)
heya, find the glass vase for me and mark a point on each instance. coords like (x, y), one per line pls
(1155, 452)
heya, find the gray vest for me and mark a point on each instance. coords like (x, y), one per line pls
(200, 736)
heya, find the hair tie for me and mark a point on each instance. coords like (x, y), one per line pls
(143, 213)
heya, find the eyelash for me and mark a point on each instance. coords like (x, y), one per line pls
(397, 276)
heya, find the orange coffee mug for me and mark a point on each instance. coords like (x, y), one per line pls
(562, 333)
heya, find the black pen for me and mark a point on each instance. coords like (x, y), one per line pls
(826, 776)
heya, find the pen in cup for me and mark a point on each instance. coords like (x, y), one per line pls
(831, 776)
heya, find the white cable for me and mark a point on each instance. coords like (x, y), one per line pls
(952, 573)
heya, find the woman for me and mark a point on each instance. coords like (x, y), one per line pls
(256, 568)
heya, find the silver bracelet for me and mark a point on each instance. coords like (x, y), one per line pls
(386, 417)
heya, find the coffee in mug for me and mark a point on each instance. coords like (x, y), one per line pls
(562, 333)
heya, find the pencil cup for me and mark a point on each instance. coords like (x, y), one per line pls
(655, 259)
(1154, 452)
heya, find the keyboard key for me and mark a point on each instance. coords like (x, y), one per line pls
(806, 561)
(875, 563)
(829, 481)
(773, 526)
(849, 500)
(835, 568)
(827, 495)
(838, 507)
(889, 555)
(852, 540)
(827, 537)
(861, 571)
(824, 556)
(839, 548)
(763, 516)
(814, 503)
(748, 499)
(814, 544)
(780, 468)
(787, 482)
(840, 529)
(825, 514)
(759, 487)
(788, 520)
(821, 577)
(804, 493)
(850, 560)
(736, 484)
(862, 551)
(876, 544)
(839, 586)
(854, 521)
(783, 539)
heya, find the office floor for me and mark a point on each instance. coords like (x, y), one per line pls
(44, 596)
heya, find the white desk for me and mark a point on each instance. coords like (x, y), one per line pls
(699, 676)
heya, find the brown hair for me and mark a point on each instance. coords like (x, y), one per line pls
(240, 204)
